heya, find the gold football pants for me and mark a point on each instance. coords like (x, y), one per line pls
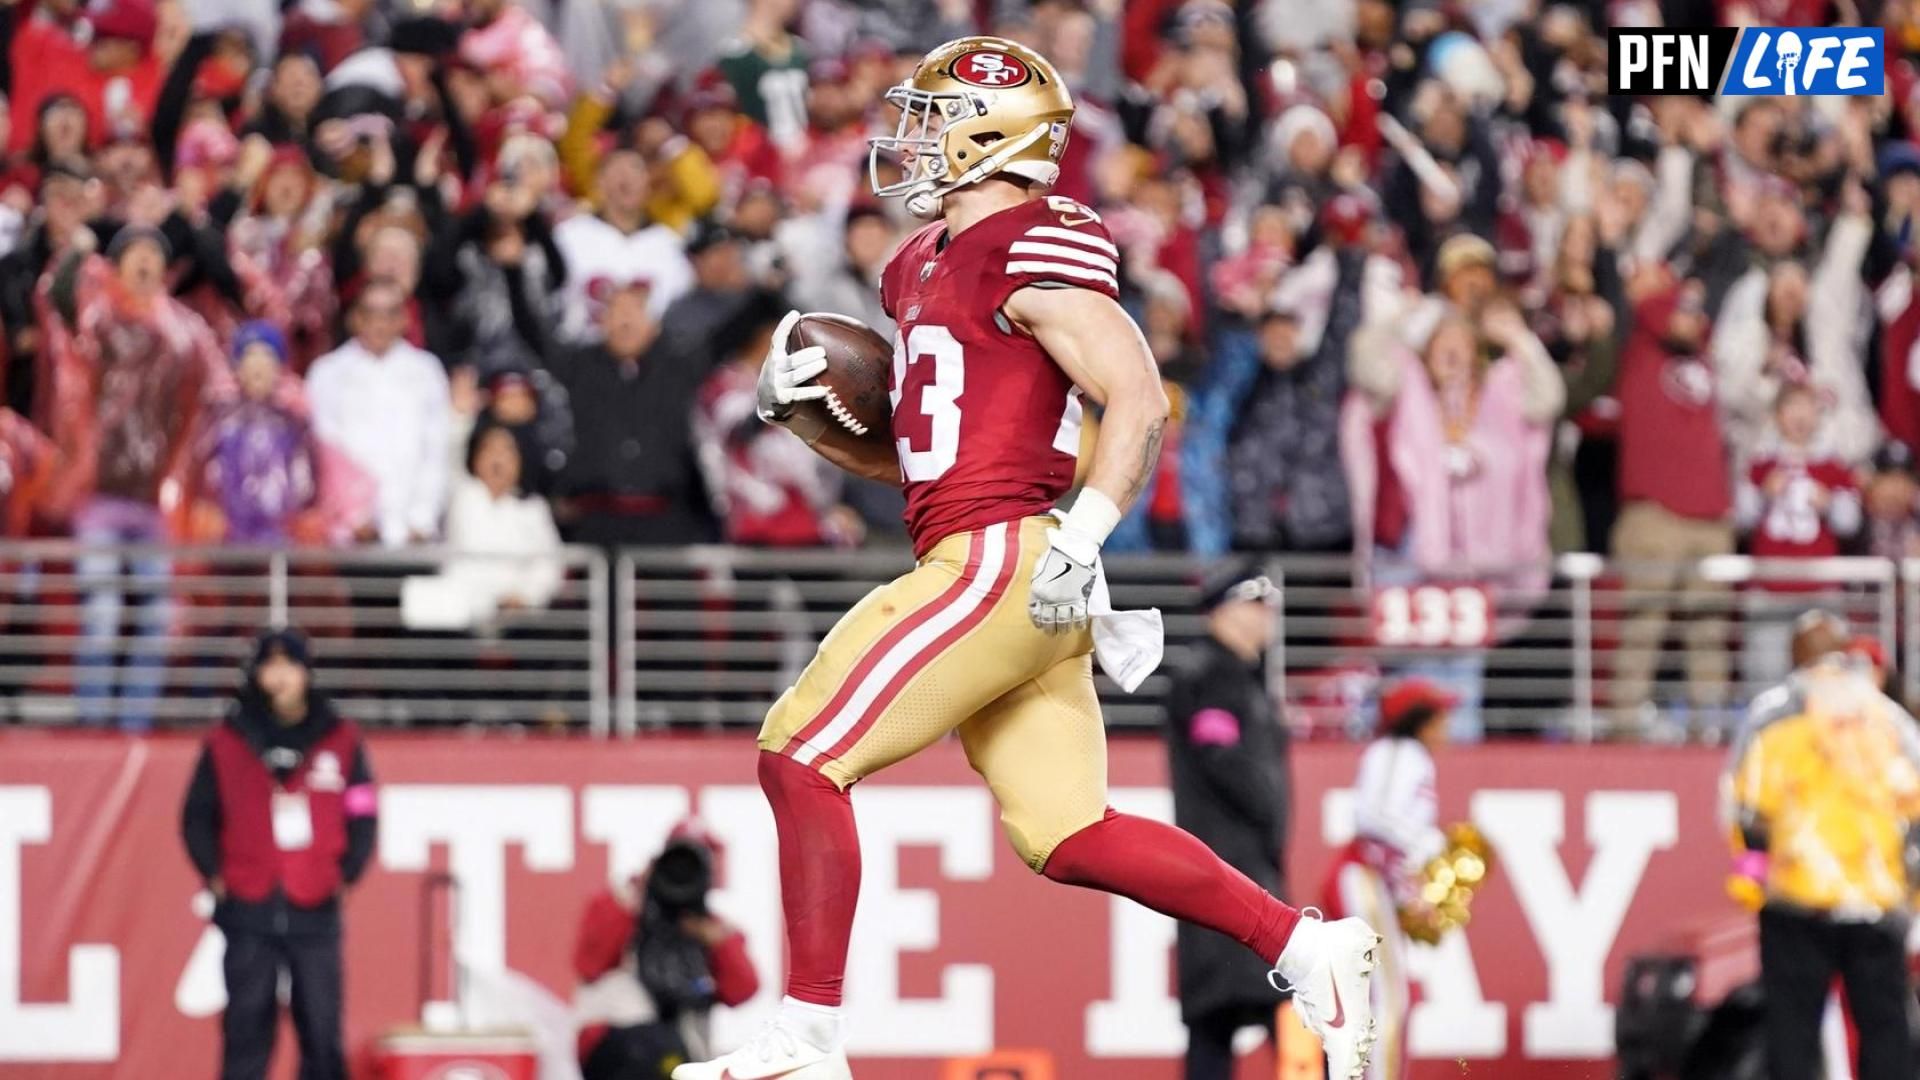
(947, 646)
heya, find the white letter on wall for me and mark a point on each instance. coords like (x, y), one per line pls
(893, 920)
(477, 822)
(87, 1026)
(1575, 930)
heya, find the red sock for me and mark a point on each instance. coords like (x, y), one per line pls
(819, 874)
(1166, 869)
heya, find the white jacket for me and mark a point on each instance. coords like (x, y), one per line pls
(1395, 802)
(391, 415)
(511, 544)
(1836, 321)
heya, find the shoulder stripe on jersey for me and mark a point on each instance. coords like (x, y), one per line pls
(1064, 270)
(1061, 251)
(1054, 232)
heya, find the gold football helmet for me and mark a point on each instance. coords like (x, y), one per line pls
(975, 106)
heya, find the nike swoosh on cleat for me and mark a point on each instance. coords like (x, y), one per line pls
(1339, 1009)
(727, 1074)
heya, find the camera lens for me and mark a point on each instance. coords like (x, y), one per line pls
(681, 877)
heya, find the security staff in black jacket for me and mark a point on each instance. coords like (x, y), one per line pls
(1229, 764)
(280, 818)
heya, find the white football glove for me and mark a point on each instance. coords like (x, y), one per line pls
(788, 377)
(1062, 581)
(1063, 578)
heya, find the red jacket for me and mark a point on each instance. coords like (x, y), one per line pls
(48, 60)
(235, 798)
(606, 939)
(1899, 397)
(1672, 451)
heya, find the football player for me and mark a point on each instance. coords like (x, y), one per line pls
(1007, 311)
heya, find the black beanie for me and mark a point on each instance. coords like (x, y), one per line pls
(285, 641)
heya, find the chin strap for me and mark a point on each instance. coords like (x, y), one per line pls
(925, 202)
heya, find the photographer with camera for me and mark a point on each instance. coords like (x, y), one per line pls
(653, 961)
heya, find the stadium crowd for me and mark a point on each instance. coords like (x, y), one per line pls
(498, 272)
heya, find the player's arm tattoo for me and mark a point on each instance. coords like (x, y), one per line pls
(1149, 457)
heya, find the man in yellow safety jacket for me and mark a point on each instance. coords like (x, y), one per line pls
(1823, 794)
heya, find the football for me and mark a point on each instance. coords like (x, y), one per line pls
(856, 409)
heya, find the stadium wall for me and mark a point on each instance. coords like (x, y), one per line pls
(106, 970)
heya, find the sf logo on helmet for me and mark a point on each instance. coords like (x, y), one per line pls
(990, 69)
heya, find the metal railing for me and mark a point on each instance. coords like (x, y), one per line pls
(1580, 649)
(711, 635)
(135, 635)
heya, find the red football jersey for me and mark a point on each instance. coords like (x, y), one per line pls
(1790, 525)
(986, 424)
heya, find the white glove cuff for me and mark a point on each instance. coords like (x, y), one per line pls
(1092, 518)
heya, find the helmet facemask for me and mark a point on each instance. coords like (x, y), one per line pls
(917, 145)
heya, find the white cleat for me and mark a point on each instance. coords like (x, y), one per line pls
(1334, 998)
(774, 1054)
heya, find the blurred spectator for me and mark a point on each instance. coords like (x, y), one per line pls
(131, 370)
(1778, 325)
(1289, 490)
(507, 251)
(678, 182)
(1891, 494)
(846, 285)
(1799, 500)
(103, 57)
(633, 477)
(917, 26)
(530, 405)
(277, 243)
(1288, 493)
(737, 146)
(391, 254)
(28, 463)
(767, 67)
(67, 199)
(505, 42)
(1446, 456)
(506, 548)
(1227, 753)
(386, 404)
(328, 32)
(1466, 274)
(1669, 414)
(1578, 327)
(827, 165)
(770, 235)
(280, 820)
(256, 456)
(1447, 181)
(768, 487)
(293, 90)
(617, 246)
(1159, 519)
(720, 284)
(652, 961)
(1301, 148)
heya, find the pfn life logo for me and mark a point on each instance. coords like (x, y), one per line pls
(1783, 61)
